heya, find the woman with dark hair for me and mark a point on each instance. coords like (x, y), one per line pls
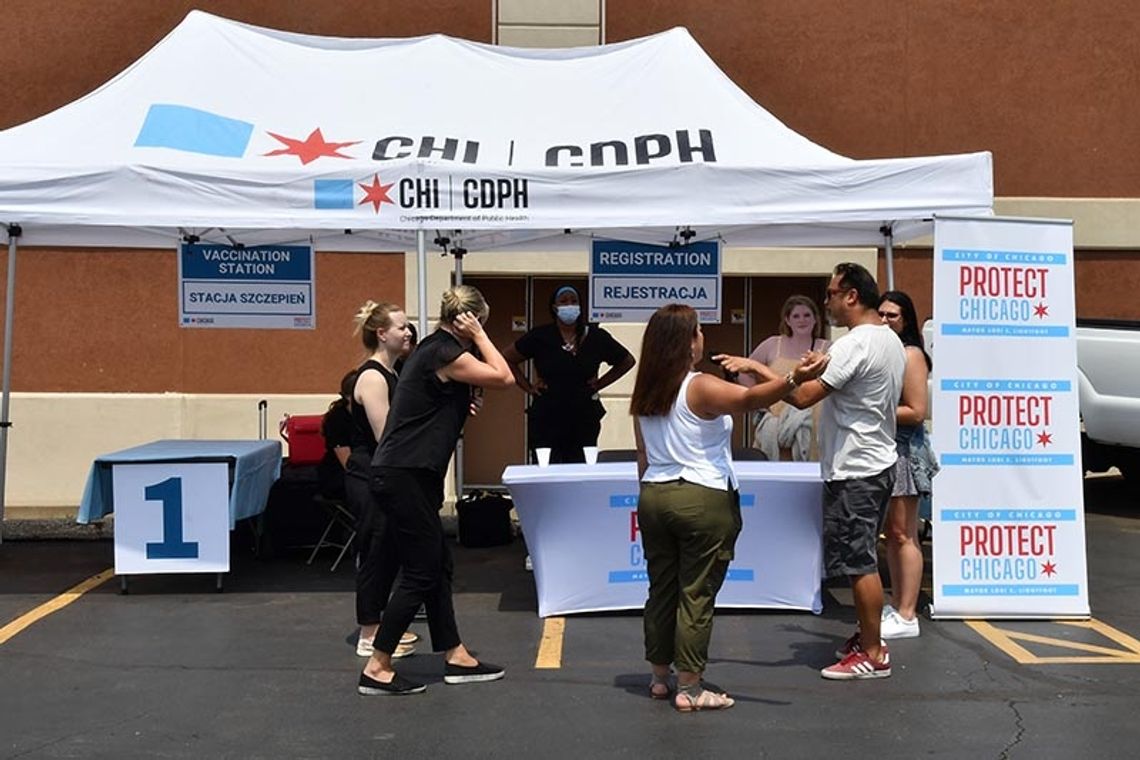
(565, 413)
(688, 510)
(336, 429)
(431, 404)
(784, 432)
(913, 472)
(413, 339)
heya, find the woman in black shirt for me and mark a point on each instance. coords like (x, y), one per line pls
(383, 329)
(431, 404)
(565, 413)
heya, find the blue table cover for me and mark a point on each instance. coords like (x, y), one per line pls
(256, 466)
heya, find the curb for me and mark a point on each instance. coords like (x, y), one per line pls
(57, 529)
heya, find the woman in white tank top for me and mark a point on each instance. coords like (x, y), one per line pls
(689, 509)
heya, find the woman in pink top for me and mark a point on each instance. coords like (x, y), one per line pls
(784, 432)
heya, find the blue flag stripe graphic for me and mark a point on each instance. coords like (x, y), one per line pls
(332, 193)
(192, 130)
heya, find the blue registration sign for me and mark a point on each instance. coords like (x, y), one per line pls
(629, 281)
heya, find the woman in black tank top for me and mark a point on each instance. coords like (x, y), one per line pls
(383, 329)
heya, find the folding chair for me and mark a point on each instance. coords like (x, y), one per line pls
(339, 516)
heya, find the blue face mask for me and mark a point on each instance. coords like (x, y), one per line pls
(568, 313)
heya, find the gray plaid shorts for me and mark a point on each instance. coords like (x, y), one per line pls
(853, 515)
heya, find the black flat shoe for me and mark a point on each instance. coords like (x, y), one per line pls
(399, 686)
(483, 671)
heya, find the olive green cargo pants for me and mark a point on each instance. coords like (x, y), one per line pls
(688, 533)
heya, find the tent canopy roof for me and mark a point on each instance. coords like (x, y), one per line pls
(234, 132)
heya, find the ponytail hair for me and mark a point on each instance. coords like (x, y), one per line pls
(463, 298)
(371, 317)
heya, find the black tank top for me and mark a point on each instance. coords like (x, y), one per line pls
(363, 441)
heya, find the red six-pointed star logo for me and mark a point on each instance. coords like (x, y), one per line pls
(1041, 310)
(1048, 568)
(1044, 438)
(376, 193)
(311, 148)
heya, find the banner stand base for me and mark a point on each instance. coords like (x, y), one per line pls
(1022, 616)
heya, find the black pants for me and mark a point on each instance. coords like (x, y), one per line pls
(377, 567)
(564, 433)
(412, 500)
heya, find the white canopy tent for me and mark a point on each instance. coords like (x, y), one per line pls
(230, 133)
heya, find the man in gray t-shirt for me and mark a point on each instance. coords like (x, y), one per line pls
(860, 391)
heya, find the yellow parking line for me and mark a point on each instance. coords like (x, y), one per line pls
(1006, 641)
(550, 648)
(58, 603)
(1077, 645)
(1107, 631)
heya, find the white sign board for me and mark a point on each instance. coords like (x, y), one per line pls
(171, 518)
(581, 528)
(1009, 528)
(259, 287)
(630, 281)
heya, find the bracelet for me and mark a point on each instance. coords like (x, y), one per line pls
(790, 379)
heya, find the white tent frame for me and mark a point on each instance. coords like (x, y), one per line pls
(905, 220)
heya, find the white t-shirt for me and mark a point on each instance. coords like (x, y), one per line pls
(857, 422)
(681, 445)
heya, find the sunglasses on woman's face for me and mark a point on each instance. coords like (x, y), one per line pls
(890, 316)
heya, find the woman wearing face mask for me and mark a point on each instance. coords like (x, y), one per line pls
(565, 413)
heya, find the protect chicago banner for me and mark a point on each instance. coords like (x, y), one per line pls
(1009, 528)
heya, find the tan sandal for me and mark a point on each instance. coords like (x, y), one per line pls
(691, 700)
(659, 687)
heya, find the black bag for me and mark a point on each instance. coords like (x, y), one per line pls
(292, 519)
(484, 519)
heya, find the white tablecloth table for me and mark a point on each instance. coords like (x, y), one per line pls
(580, 524)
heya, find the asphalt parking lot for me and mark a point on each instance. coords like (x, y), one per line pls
(267, 669)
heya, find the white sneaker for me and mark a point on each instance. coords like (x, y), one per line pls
(895, 626)
(403, 649)
(888, 610)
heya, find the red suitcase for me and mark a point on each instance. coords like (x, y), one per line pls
(303, 434)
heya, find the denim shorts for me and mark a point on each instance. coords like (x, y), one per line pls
(853, 515)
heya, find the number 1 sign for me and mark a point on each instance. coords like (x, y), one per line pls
(171, 518)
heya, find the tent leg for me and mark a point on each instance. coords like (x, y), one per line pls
(421, 280)
(889, 250)
(14, 233)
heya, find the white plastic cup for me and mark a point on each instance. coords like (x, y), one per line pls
(543, 455)
(591, 454)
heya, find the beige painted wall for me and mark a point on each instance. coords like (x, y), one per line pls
(56, 436)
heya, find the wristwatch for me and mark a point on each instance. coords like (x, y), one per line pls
(790, 379)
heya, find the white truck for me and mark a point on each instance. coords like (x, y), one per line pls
(1108, 363)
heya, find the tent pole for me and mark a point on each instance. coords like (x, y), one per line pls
(889, 248)
(421, 280)
(14, 233)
